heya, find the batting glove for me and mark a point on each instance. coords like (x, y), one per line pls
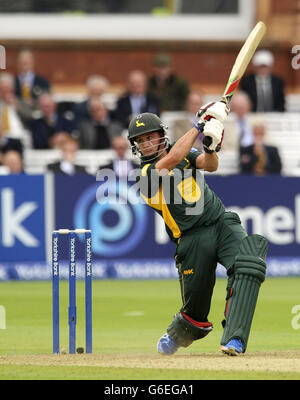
(213, 132)
(218, 110)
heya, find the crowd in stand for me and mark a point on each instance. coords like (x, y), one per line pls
(31, 119)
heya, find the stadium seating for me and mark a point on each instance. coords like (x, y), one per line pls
(36, 161)
(281, 129)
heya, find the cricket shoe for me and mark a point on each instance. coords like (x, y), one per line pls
(166, 345)
(233, 348)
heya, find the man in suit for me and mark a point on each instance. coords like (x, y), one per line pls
(96, 85)
(239, 124)
(66, 165)
(14, 113)
(260, 159)
(265, 89)
(49, 125)
(97, 132)
(29, 86)
(136, 100)
(120, 164)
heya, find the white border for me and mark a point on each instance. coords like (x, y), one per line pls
(129, 26)
(49, 213)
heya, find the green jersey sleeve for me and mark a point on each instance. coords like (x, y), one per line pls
(192, 156)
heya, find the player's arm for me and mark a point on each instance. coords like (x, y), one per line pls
(213, 129)
(178, 152)
(211, 116)
(208, 162)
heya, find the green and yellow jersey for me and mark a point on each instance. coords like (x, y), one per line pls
(182, 197)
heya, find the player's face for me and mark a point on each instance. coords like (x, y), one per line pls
(149, 143)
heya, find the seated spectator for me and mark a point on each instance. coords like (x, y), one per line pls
(239, 124)
(260, 159)
(9, 144)
(265, 89)
(49, 123)
(120, 164)
(12, 162)
(15, 114)
(58, 139)
(97, 131)
(182, 125)
(96, 85)
(170, 89)
(29, 86)
(136, 100)
(66, 165)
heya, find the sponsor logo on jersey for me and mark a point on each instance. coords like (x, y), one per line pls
(188, 272)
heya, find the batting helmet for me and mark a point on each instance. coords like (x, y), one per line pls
(146, 123)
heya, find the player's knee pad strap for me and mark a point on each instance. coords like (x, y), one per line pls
(249, 272)
(184, 332)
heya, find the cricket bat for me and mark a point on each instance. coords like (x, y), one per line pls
(241, 63)
(243, 59)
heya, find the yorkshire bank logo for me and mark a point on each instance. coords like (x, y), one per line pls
(2, 57)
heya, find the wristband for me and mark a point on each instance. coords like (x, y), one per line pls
(199, 127)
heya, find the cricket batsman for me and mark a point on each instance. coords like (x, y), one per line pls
(203, 232)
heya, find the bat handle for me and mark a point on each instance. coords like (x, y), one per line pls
(226, 100)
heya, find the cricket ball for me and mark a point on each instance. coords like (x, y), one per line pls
(80, 350)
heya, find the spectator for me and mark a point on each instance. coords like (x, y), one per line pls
(136, 100)
(239, 124)
(9, 144)
(29, 86)
(121, 164)
(97, 131)
(182, 125)
(259, 158)
(66, 165)
(170, 89)
(265, 89)
(96, 85)
(15, 115)
(12, 162)
(50, 126)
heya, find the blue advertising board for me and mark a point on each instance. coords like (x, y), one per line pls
(121, 229)
(22, 206)
(267, 205)
(129, 240)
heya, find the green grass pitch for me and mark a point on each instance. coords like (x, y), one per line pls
(128, 319)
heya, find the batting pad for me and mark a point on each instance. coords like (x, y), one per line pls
(249, 273)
